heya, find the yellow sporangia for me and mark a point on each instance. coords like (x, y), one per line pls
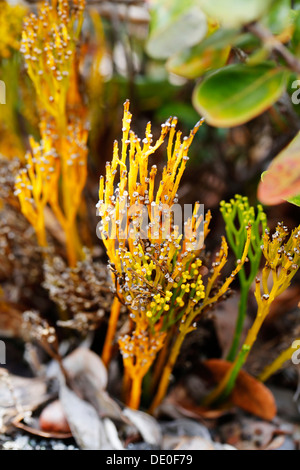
(57, 165)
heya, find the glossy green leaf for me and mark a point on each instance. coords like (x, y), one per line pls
(235, 13)
(281, 182)
(211, 53)
(237, 93)
(278, 16)
(175, 24)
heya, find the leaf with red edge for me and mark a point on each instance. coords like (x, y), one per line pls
(249, 394)
(281, 181)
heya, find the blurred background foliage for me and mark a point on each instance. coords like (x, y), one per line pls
(234, 64)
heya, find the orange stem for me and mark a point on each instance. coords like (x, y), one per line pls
(112, 326)
(135, 393)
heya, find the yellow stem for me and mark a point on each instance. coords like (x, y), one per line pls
(126, 386)
(161, 360)
(40, 229)
(112, 326)
(165, 379)
(277, 363)
(41, 236)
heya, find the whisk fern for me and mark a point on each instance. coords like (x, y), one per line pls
(56, 172)
(157, 271)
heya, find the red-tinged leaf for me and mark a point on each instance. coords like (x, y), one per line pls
(53, 419)
(35, 430)
(248, 394)
(282, 179)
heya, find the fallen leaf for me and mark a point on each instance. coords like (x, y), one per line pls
(87, 429)
(185, 427)
(34, 429)
(89, 377)
(53, 418)
(112, 434)
(277, 442)
(219, 446)
(194, 443)
(24, 392)
(146, 425)
(173, 432)
(179, 399)
(106, 406)
(86, 365)
(248, 394)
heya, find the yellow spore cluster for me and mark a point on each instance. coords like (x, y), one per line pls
(56, 168)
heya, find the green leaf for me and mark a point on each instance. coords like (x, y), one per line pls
(211, 53)
(174, 25)
(233, 13)
(237, 93)
(281, 181)
(184, 111)
(248, 42)
(296, 34)
(278, 16)
(258, 56)
(295, 200)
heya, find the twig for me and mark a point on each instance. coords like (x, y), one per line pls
(272, 43)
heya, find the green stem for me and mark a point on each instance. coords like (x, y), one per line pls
(240, 322)
(226, 385)
(223, 390)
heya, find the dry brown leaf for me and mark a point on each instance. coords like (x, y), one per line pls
(248, 394)
(179, 398)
